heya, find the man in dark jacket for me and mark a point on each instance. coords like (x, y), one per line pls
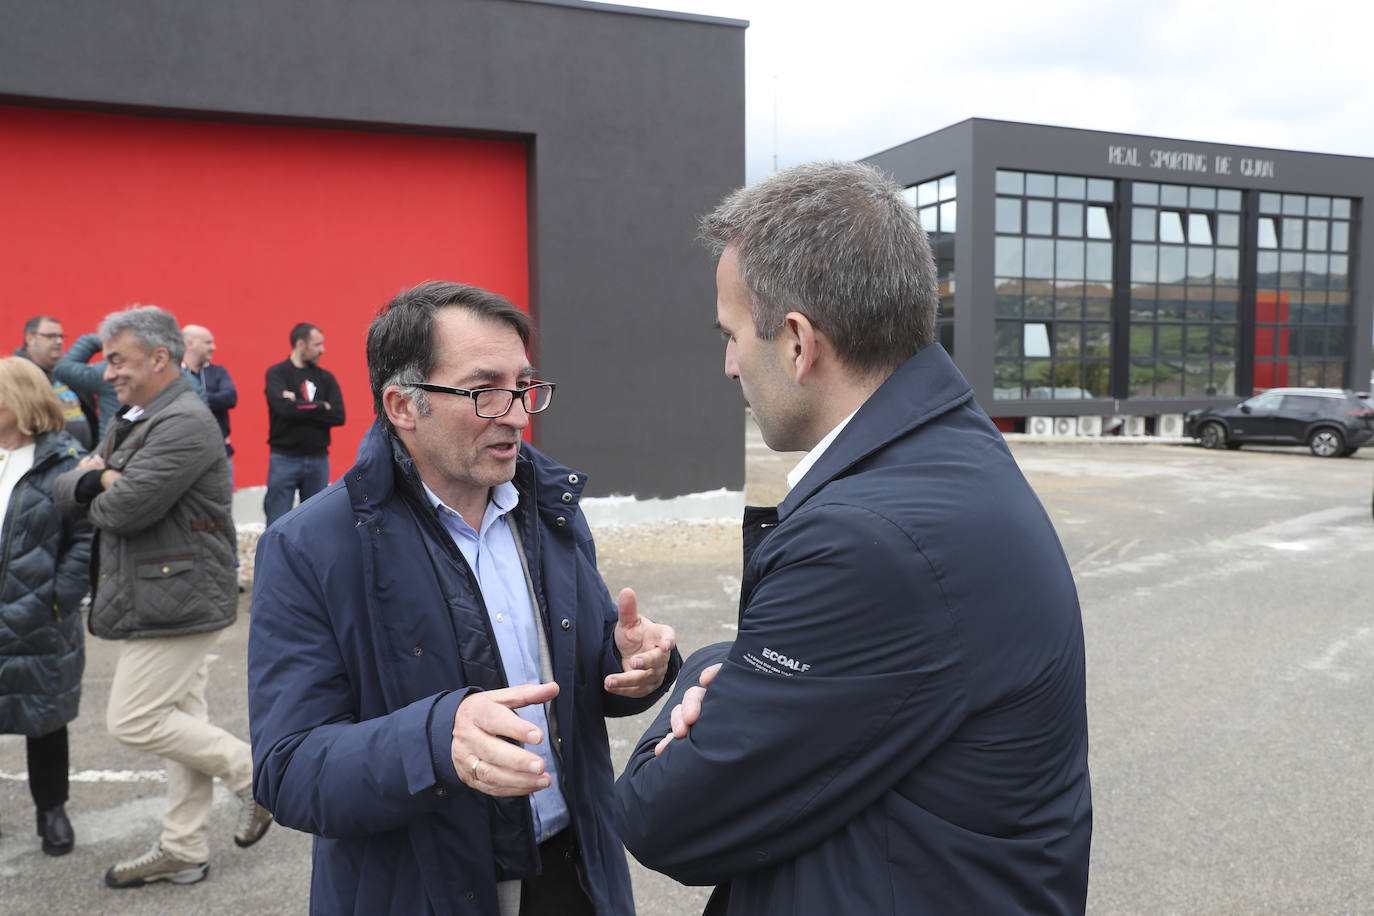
(899, 726)
(303, 404)
(157, 492)
(220, 394)
(433, 652)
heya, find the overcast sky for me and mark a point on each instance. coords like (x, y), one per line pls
(848, 78)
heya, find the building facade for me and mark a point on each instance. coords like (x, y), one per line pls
(253, 164)
(1100, 275)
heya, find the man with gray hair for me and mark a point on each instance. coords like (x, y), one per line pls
(900, 723)
(157, 491)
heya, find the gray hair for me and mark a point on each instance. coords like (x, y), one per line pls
(836, 242)
(151, 326)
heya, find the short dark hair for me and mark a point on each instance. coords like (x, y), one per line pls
(837, 242)
(401, 340)
(301, 332)
(33, 324)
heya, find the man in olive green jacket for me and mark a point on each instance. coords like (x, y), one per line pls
(157, 491)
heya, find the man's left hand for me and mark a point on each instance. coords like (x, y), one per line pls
(645, 649)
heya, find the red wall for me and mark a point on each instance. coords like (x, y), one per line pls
(249, 229)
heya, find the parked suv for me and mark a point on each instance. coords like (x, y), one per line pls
(1331, 422)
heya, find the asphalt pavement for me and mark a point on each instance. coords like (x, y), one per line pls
(1229, 616)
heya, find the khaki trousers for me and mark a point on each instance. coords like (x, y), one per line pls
(157, 704)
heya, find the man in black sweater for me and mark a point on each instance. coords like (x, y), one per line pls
(303, 403)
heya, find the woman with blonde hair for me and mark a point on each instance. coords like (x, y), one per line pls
(44, 573)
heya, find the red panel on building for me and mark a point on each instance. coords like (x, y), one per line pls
(249, 229)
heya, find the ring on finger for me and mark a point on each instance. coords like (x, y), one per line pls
(475, 761)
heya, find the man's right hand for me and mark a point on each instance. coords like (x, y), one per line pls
(484, 759)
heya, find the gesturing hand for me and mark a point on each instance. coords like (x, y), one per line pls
(483, 758)
(645, 649)
(686, 713)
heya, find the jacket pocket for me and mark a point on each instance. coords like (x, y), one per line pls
(164, 589)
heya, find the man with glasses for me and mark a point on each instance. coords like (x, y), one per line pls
(43, 343)
(433, 651)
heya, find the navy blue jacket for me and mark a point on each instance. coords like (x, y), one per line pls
(220, 396)
(900, 725)
(368, 630)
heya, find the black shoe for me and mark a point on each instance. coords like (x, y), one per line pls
(56, 831)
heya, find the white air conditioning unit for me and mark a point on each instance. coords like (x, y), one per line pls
(1134, 426)
(1090, 426)
(1065, 426)
(1040, 426)
(1169, 424)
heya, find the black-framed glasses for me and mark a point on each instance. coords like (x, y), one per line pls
(493, 403)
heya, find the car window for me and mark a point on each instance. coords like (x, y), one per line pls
(1264, 402)
(1305, 404)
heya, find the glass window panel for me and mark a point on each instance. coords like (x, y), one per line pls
(1316, 268)
(1202, 198)
(1097, 339)
(1228, 229)
(1270, 203)
(1097, 306)
(1338, 312)
(1173, 195)
(1035, 339)
(1099, 261)
(1267, 268)
(1071, 220)
(1226, 267)
(1009, 214)
(1170, 339)
(1010, 182)
(1142, 378)
(1199, 340)
(1143, 263)
(1143, 224)
(1101, 189)
(1340, 207)
(1037, 376)
(1199, 228)
(909, 195)
(1068, 381)
(1271, 306)
(1223, 340)
(1172, 264)
(1340, 265)
(1039, 299)
(1099, 223)
(946, 329)
(1197, 377)
(1268, 234)
(1264, 340)
(1008, 338)
(1292, 233)
(1228, 200)
(1335, 372)
(1290, 269)
(1008, 256)
(947, 216)
(1294, 204)
(1143, 302)
(1068, 338)
(1039, 217)
(1073, 187)
(947, 188)
(1097, 379)
(1038, 185)
(1142, 339)
(1170, 305)
(1040, 258)
(1170, 226)
(1144, 192)
(1318, 206)
(1069, 303)
(1224, 304)
(1199, 304)
(1312, 313)
(1169, 378)
(1199, 265)
(1308, 342)
(927, 193)
(1007, 379)
(1340, 236)
(930, 219)
(1007, 297)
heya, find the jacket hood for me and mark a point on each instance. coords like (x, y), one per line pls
(924, 387)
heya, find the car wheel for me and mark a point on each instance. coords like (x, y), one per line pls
(1326, 442)
(1212, 435)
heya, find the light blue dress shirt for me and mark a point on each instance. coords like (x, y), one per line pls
(494, 558)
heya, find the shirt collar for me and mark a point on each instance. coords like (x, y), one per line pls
(504, 497)
(797, 473)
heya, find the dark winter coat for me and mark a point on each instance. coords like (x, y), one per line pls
(43, 575)
(900, 725)
(368, 630)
